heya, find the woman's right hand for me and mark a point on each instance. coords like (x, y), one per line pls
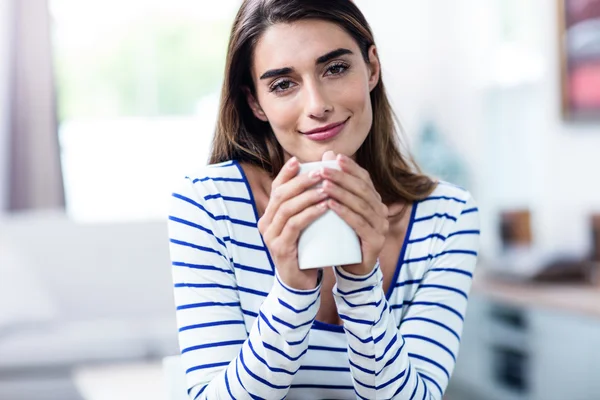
(294, 203)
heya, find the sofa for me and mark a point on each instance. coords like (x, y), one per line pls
(79, 293)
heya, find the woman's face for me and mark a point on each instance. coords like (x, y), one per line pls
(312, 86)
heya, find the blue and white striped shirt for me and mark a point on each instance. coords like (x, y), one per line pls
(244, 334)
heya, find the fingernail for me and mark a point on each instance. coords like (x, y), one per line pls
(313, 174)
(322, 205)
(292, 163)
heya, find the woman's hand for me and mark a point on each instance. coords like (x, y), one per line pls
(293, 205)
(354, 198)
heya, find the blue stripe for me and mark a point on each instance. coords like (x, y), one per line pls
(391, 360)
(252, 291)
(211, 215)
(401, 388)
(433, 322)
(364, 384)
(470, 210)
(412, 396)
(432, 381)
(313, 386)
(252, 269)
(263, 361)
(429, 303)
(201, 266)
(394, 379)
(201, 391)
(323, 326)
(326, 348)
(443, 287)
(206, 366)
(432, 236)
(320, 368)
(211, 345)
(204, 286)
(361, 354)
(196, 226)
(358, 367)
(227, 198)
(298, 292)
(435, 342)
(218, 179)
(380, 337)
(430, 361)
(249, 313)
(383, 310)
(409, 282)
(455, 270)
(436, 215)
(357, 321)
(289, 325)
(443, 253)
(367, 340)
(374, 304)
(219, 286)
(281, 353)
(387, 348)
(247, 245)
(264, 318)
(365, 289)
(340, 272)
(286, 305)
(445, 198)
(465, 232)
(210, 324)
(258, 378)
(208, 304)
(197, 247)
(425, 391)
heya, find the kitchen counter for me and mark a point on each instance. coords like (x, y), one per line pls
(571, 297)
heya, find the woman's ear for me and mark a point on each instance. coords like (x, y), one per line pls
(254, 106)
(374, 67)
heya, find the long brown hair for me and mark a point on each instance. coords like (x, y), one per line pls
(241, 136)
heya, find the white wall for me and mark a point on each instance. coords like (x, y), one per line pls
(444, 59)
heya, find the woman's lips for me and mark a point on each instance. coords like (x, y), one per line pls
(326, 133)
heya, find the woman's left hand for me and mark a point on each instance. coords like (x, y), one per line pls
(354, 198)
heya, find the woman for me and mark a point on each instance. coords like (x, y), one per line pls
(303, 83)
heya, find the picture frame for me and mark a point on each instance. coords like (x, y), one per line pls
(579, 42)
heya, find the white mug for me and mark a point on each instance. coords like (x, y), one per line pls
(329, 240)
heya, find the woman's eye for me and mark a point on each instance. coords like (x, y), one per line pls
(337, 69)
(281, 86)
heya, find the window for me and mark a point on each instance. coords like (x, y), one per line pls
(138, 85)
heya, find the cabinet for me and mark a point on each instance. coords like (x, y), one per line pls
(513, 352)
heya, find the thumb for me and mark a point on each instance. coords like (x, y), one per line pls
(328, 156)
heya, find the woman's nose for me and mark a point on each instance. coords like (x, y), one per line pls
(318, 104)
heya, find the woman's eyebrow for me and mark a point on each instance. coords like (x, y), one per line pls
(321, 60)
(333, 54)
(276, 72)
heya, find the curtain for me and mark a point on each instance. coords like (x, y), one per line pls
(29, 149)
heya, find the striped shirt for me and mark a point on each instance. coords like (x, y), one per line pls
(245, 334)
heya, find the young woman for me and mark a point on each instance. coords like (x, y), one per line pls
(303, 83)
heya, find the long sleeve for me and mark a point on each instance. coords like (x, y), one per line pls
(223, 360)
(416, 360)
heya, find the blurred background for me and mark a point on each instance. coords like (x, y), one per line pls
(105, 104)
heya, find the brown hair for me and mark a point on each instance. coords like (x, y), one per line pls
(241, 136)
